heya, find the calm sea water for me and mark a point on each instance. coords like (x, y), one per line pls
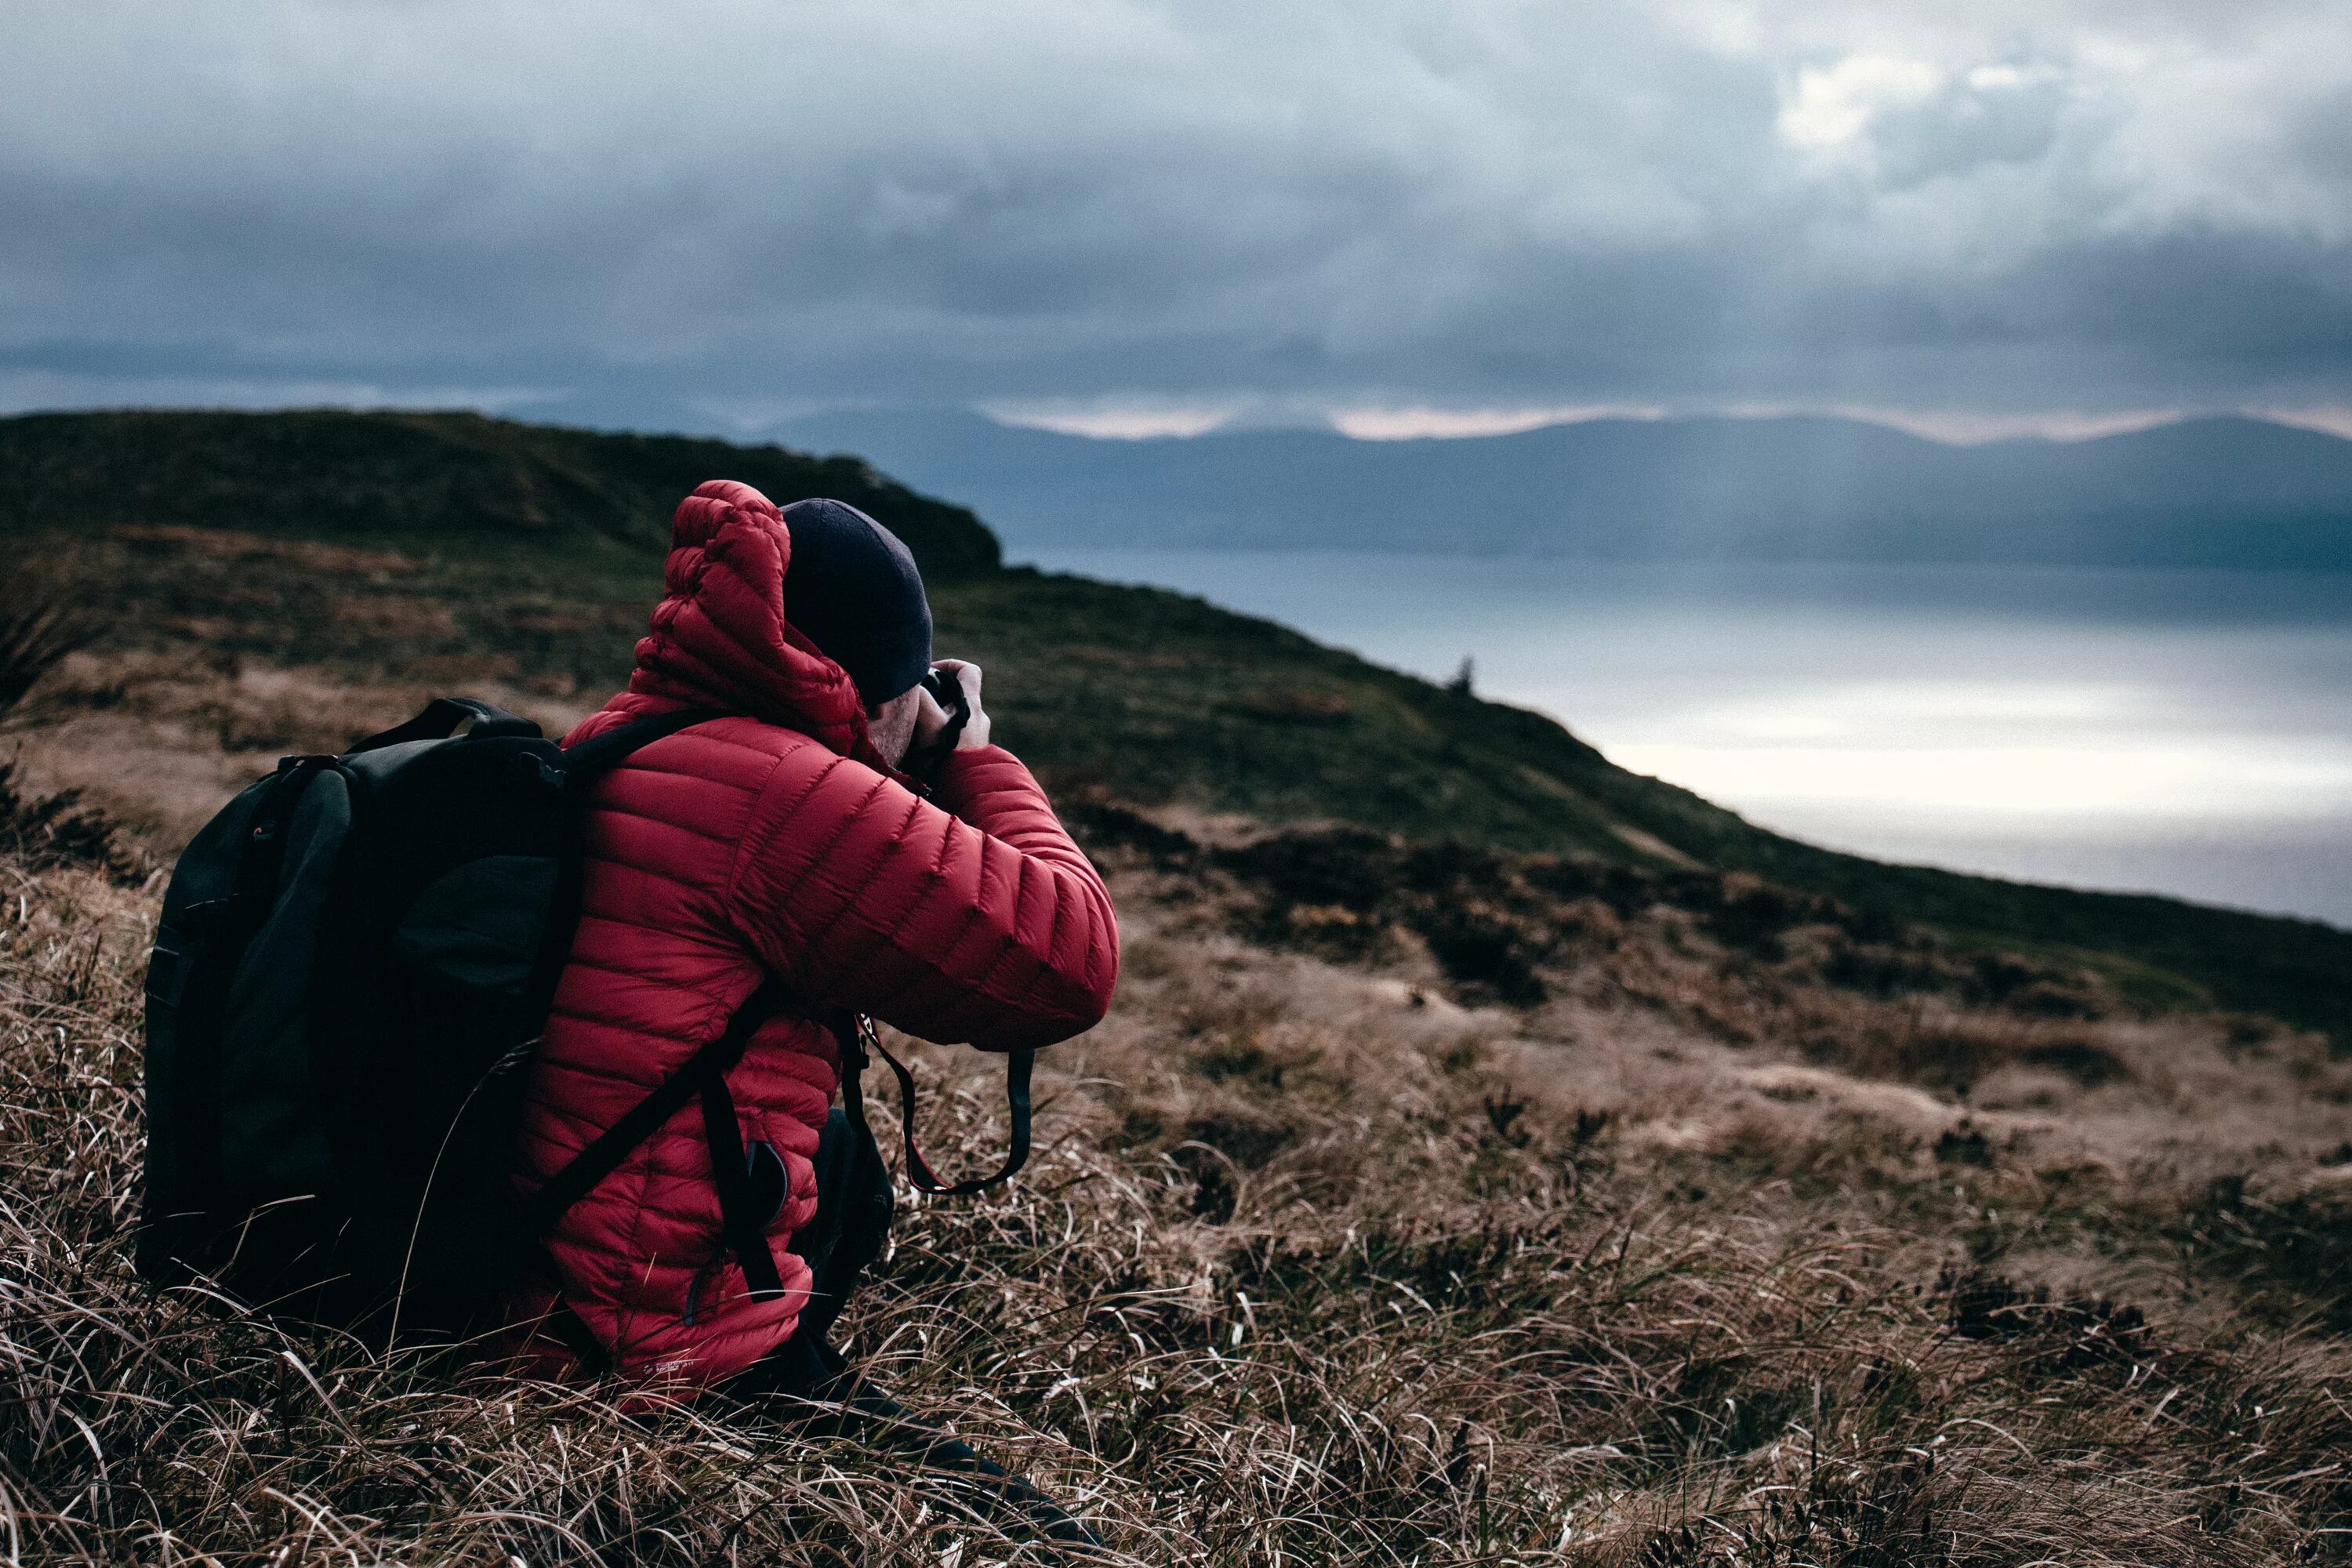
(2185, 732)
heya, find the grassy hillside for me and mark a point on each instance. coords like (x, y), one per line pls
(457, 479)
(442, 550)
(1478, 1166)
(1165, 699)
(1695, 1257)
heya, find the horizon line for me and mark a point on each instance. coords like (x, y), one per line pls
(1948, 428)
(1371, 427)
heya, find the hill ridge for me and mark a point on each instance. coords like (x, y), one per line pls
(1122, 693)
(411, 473)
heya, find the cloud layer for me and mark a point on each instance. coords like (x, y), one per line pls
(734, 210)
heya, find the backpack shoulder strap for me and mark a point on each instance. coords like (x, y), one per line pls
(602, 754)
(601, 1158)
(440, 718)
(858, 1037)
(575, 768)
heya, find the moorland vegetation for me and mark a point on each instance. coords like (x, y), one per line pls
(421, 551)
(1492, 1157)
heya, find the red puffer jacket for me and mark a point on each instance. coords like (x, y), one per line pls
(776, 843)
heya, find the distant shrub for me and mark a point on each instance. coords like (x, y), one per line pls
(1963, 1144)
(2087, 1061)
(2293, 1250)
(2059, 1336)
(42, 831)
(46, 611)
(1285, 705)
(1487, 958)
(1955, 1051)
(1100, 824)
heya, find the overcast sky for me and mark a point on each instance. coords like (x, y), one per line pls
(1413, 215)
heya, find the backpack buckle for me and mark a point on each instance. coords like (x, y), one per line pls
(537, 772)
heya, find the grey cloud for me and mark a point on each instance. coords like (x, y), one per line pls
(1969, 124)
(2074, 206)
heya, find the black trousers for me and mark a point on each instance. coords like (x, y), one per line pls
(853, 1223)
(805, 1382)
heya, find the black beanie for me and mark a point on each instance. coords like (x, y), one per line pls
(852, 589)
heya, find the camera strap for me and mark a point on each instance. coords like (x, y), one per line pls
(861, 1039)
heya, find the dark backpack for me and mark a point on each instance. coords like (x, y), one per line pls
(355, 959)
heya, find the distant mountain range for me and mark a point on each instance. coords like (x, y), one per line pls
(2202, 492)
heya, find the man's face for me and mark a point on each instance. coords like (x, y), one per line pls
(891, 727)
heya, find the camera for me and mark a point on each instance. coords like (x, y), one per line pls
(948, 691)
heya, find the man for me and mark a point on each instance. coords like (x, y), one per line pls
(780, 843)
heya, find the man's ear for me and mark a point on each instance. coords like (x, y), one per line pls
(891, 725)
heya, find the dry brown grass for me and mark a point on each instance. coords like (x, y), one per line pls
(1756, 1240)
(1309, 1271)
(159, 740)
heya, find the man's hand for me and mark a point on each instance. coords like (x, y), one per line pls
(932, 720)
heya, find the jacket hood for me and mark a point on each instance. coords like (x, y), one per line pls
(720, 637)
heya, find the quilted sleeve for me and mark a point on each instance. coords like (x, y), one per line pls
(974, 918)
